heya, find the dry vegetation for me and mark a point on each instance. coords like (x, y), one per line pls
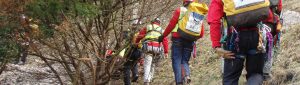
(286, 67)
(82, 31)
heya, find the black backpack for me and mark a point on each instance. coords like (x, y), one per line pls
(274, 3)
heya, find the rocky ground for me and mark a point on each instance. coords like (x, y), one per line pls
(34, 72)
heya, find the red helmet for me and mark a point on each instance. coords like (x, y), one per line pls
(188, 0)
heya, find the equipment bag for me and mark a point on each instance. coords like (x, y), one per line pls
(192, 21)
(245, 13)
(274, 3)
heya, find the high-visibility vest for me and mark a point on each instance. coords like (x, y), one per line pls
(182, 12)
(153, 32)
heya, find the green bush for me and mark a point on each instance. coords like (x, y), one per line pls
(52, 12)
(8, 47)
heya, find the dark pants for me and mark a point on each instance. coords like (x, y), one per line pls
(23, 52)
(131, 65)
(181, 53)
(248, 42)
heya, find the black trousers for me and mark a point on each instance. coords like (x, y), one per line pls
(131, 65)
(248, 42)
(23, 52)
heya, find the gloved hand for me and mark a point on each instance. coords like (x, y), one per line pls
(166, 55)
(134, 45)
(224, 53)
(160, 38)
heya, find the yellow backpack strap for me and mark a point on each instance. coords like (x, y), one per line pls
(182, 9)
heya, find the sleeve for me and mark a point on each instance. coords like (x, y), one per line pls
(141, 35)
(215, 13)
(202, 31)
(165, 44)
(172, 22)
(280, 6)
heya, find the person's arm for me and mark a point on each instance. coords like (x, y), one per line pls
(279, 8)
(165, 44)
(141, 35)
(202, 31)
(215, 13)
(172, 22)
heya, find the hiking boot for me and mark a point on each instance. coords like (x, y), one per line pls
(147, 83)
(180, 83)
(15, 62)
(21, 63)
(135, 79)
(187, 80)
(266, 76)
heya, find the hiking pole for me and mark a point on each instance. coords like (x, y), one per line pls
(195, 53)
(280, 32)
(162, 56)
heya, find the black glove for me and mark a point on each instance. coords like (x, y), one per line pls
(134, 45)
(160, 38)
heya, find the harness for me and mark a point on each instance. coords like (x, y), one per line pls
(145, 41)
(265, 31)
(152, 37)
(231, 42)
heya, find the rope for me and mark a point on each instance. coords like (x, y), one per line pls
(278, 40)
(236, 41)
(233, 40)
(270, 40)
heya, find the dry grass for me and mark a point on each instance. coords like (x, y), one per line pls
(287, 64)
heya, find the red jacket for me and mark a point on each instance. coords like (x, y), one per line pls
(279, 8)
(142, 34)
(172, 25)
(215, 13)
(108, 53)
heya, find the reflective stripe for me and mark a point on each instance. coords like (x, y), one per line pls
(134, 40)
(182, 12)
(153, 32)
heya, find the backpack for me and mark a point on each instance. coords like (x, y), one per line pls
(245, 13)
(274, 7)
(153, 32)
(192, 21)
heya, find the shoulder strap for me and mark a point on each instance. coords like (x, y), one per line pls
(180, 18)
